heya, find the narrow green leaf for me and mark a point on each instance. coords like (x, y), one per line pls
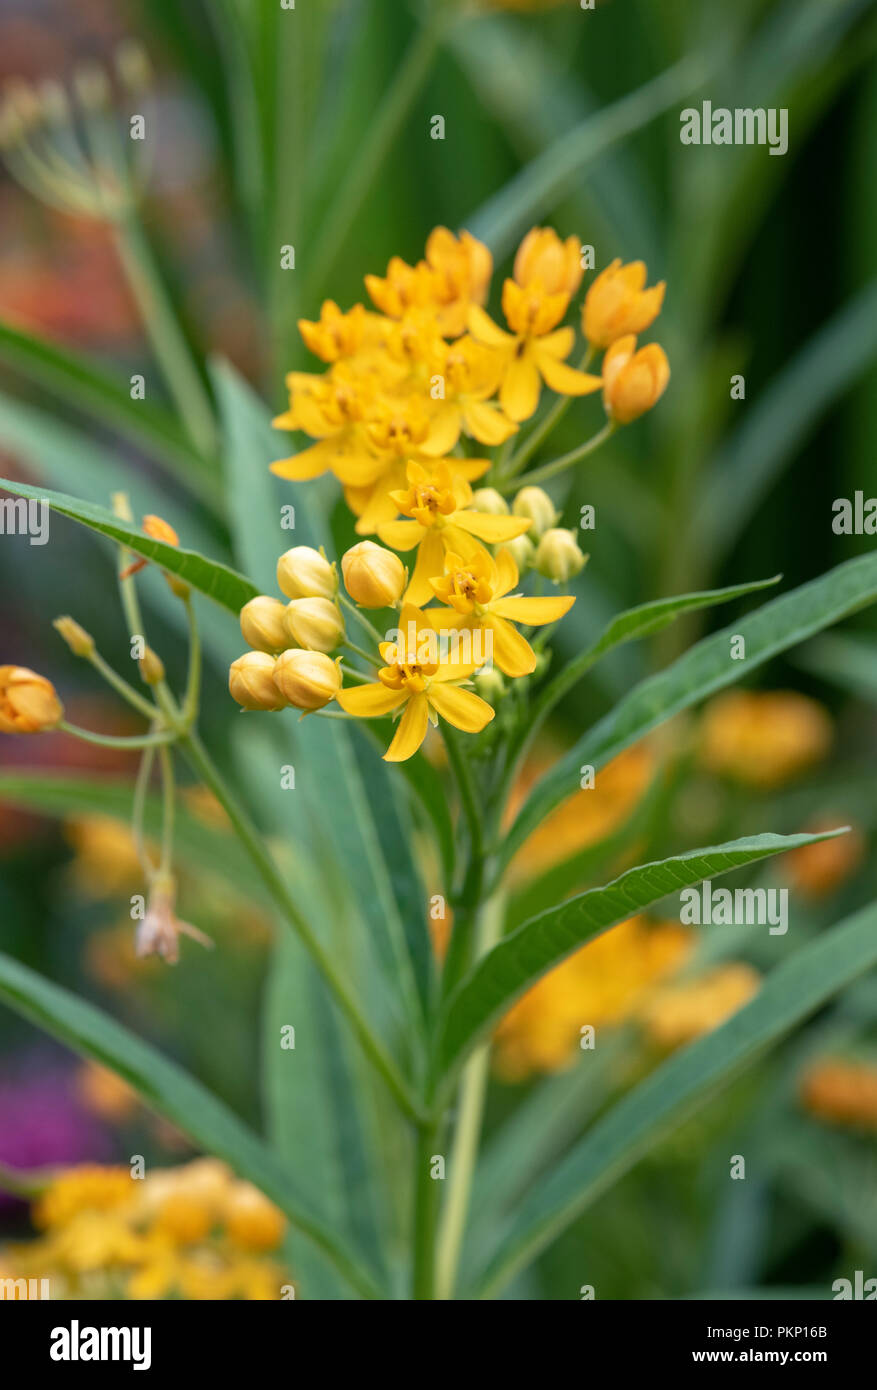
(551, 176)
(521, 958)
(794, 990)
(219, 582)
(703, 670)
(85, 385)
(170, 1092)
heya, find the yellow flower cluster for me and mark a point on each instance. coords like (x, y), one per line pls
(679, 1013)
(405, 385)
(602, 984)
(763, 738)
(841, 1092)
(193, 1232)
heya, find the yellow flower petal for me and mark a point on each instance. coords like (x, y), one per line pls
(483, 328)
(461, 708)
(506, 573)
(487, 424)
(536, 612)
(401, 535)
(411, 731)
(492, 529)
(566, 381)
(430, 564)
(370, 701)
(519, 393)
(512, 653)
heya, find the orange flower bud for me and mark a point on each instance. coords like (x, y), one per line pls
(251, 682)
(28, 702)
(251, 1220)
(617, 303)
(633, 381)
(555, 264)
(151, 667)
(80, 642)
(374, 577)
(308, 680)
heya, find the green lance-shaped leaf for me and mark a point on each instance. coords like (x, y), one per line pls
(793, 991)
(171, 1092)
(703, 670)
(219, 582)
(521, 958)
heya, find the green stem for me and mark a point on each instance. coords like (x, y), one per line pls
(167, 825)
(427, 1201)
(253, 843)
(466, 903)
(193, 680)
(366, 656)
(171, 349)
(137, 811)
(363, 170)
(111, 741)
(360, 617)
(543, 430)
(550, 470)
(121, 685)
(467, 1135)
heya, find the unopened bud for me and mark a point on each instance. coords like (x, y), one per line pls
(522, 551)
(535, 503)
(489, 684)
(308, 680)
(251, 682)
(151, 667)
(303, 572)
(28, 702)
(263, 624)
(558, 556)
(80, 642)
(373, 576)
(314, 623)
(487, 499)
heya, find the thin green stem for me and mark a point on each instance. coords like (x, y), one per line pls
(360, 652)
(545, 428)
(360, 617)
(467, 1135)
(111, 741)
(120, 685)
(193, 680)
(169, 344)
(253, 843)
(550, 470)
(427, 1202)
(138, 809)
(168, 806)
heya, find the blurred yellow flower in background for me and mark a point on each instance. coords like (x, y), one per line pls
(817, 870)
(602, 984)
(106, 863)
(763, 738)
(841, 1092)
(679, 1013)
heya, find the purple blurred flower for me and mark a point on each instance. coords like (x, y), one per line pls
(42, 1122)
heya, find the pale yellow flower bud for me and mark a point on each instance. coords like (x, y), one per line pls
(80, 642)
(487, 499)
(263, 624)
(303, 572)
(314, 623)
(151, 667)
(522, 551)
(308, 680)
(251, 682)
(373, 576)
(535, 503)
(558, 556)
(28, 702)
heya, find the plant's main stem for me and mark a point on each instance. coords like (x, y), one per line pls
(550, 470)
(467, 1136)
(427, 1199)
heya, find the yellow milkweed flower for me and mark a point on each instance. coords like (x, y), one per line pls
(332, 409)
(337, 335)
(455, 274)
(601, 984)
(88, 1185)
(543, 259)
(477, 592)
(842, 1092)
(29, 703)
(763, 738)
(438, 507)
(469, 374)
(534, 351)
(618, 303)
(633, 380)
(417, 683)
(682, 1012)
